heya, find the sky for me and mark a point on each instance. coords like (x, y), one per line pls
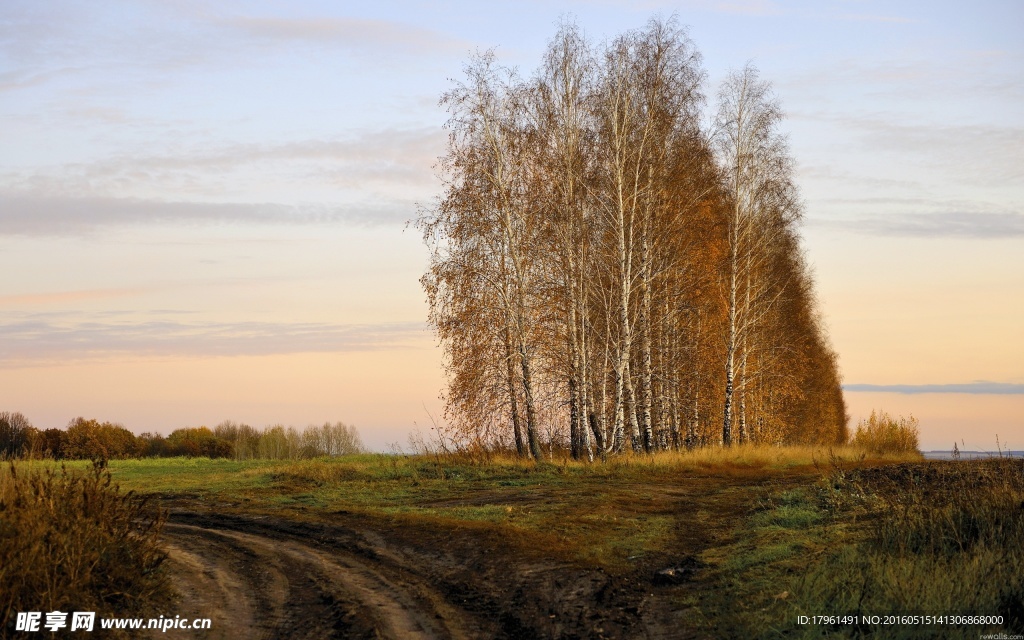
(203, 205)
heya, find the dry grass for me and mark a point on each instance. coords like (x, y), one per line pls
(764, 457)
(943, 538)
(755, 456)
(72, 541)
(883, 434)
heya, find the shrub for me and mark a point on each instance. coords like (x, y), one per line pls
(75, 542)
(882, 433)
(46, 444)
(92, 440)
(280, 443)
(16, 434)
(197, 441)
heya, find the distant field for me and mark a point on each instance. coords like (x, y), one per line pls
(711, 544)
(970, 455)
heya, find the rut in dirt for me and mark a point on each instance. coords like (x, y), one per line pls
(350, 576)
(265, 584)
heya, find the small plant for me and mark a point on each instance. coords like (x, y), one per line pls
(882, 433)
(74, 542)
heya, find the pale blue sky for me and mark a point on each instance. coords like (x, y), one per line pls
(188, 187)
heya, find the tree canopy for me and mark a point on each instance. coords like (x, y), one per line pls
(608, 272)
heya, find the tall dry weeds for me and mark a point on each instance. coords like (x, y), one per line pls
(74, 542)
(882, 433)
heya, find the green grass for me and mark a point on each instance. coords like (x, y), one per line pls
(938, 539)
(181, 475)
(790, 510)
(776, 533)
(909, 539)
(604, 514)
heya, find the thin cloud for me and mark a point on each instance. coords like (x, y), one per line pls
(350, 33)
(747, 7)
(986, 155)
(158, 36)
(861, 17)
(976, 225)
(60, 297)
(979, 387)
(752, 8)
(873, 183)
(42, 216)
(171, 36)
(389, 160)
(23, 79)
(42, 341)
(974, 70)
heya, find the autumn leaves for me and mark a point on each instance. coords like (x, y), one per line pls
(609, 273)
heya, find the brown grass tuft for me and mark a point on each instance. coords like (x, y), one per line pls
(74, 542)
(881, 433)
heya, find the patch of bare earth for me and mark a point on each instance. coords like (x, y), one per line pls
(344, 575)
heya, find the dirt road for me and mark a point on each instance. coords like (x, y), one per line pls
(257, 579)
(265, 578)
(342, 575)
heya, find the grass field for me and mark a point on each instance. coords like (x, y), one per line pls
(724, 542)
(606, 513)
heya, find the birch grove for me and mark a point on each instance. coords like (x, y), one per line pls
(609, 274)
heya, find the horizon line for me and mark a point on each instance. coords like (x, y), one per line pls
(977, 387)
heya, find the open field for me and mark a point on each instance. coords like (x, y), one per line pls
(713, 544)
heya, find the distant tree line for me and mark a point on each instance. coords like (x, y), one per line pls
(608, 272)
(90, 439)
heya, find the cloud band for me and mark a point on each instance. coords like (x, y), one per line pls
(979, 387)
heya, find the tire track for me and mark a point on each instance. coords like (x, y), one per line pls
(265, 584)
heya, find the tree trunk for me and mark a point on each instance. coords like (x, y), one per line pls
(743, 397)
(646, 392)
(731, 345)
(517, 428)
(585, 391)
(532, 435)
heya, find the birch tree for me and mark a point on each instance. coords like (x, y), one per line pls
(607, 274)
(561, 92)
(648, 93)
(479, 284)
(757, 168)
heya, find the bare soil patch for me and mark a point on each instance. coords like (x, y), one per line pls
(347, 575)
